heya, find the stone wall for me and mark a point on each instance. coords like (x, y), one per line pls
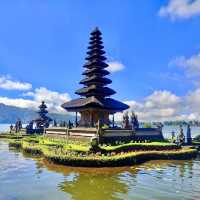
(108, 135)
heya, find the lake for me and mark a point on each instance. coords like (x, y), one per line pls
(23, 177)
(166, 130)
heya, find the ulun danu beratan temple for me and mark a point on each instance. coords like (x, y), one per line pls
(95, 103)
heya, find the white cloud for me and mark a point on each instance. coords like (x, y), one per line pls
(180, 9)
(162, 99)
(134, 105)
(160, 105)
(53, 99)
(8, 84)
(191, 65)
(19, 102)
(193, 100)
(115, 66)
(164, 105)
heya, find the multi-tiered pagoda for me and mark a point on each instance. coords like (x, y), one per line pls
(43, 120)
(95, 103)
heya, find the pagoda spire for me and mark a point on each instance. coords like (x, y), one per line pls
(96, 106)
(42, 110)
(95, 81)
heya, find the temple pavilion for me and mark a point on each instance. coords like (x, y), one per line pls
(95, 104)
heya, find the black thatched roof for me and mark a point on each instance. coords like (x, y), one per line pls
(96, 46)
(95, 80)
(96, 50)
(95, 56)
(42, 106)
(95, 83)
(96, 32)
(95, 64)
(93, 102)
(94, 90)
(96, 71)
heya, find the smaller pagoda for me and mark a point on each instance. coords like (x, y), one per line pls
(95, 104)
(43, 120)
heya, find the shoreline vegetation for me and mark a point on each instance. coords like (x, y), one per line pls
(84, 154)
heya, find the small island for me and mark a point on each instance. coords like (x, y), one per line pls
(95, 139)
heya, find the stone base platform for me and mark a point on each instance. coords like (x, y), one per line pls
(62, 131)
(107, 135)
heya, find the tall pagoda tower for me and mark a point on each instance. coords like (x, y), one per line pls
(95, 103)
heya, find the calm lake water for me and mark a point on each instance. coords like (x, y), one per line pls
(166, 130)
(25, 178)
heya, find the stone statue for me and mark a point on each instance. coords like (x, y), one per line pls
(134, 121)
(126, 121)
(159, 126)
(189, 137)
(54, 123)
(181, 137)
(99, 128)
(18, 126)
(70, 124)
(64, 124)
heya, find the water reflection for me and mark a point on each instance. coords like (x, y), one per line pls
(83, 183)
(160, 180)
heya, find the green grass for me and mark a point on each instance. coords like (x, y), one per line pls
(79, 154)
(64, 144)
(32, 148)
(68, 145)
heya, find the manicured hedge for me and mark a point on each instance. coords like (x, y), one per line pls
(154, 146)
(107, 156)
(125, 159)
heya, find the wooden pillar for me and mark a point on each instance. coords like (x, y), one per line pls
(76, 120)
(91, 119)
(113, 120)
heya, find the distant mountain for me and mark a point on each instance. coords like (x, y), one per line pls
(9, 114)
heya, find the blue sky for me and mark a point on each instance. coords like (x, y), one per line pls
(43, 43)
